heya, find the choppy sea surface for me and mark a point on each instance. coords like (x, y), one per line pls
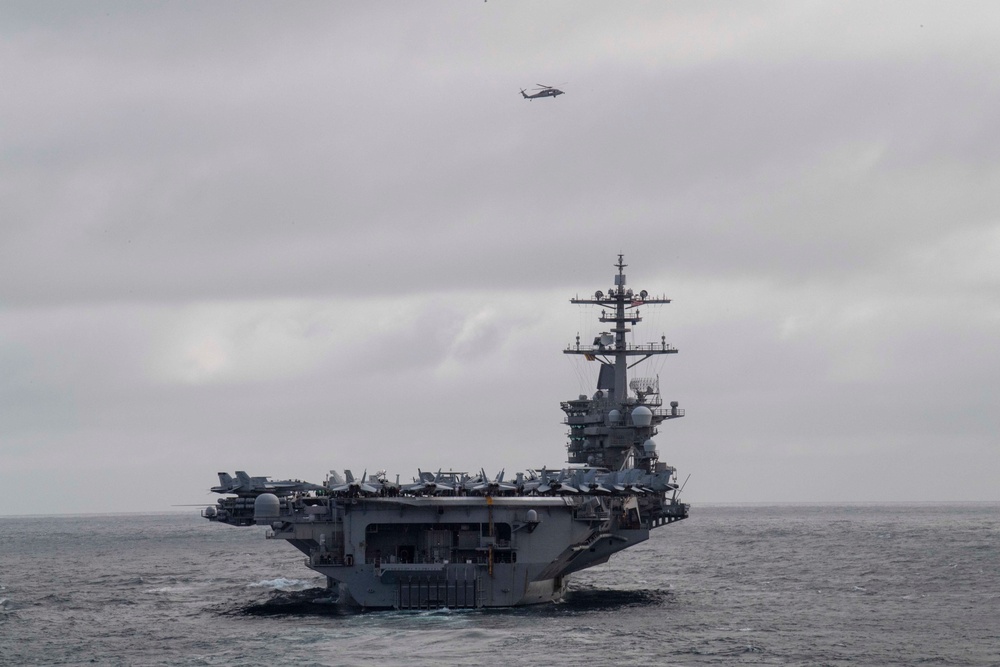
(902, 584)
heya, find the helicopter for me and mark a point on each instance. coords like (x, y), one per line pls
(543, 91)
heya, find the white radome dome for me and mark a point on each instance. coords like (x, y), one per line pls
(642, 416)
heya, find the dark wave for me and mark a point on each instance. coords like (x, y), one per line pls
(611, 599)
(321, 602)
(309, 602)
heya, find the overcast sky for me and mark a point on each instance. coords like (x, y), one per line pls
(298, 236)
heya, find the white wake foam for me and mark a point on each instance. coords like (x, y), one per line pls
(283, 584)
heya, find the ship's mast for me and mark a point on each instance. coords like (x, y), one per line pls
(602, 430)
(624, 304)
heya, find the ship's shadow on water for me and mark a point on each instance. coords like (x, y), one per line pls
(308, 602)
(603, 599)
(320, 602)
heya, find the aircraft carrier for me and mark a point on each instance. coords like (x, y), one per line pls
(454, 539)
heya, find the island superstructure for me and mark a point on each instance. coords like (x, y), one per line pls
(454, 539)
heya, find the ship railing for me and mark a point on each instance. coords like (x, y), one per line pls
(665, 413)
(629, 347)
(324, 558)
(411, 567)
(492, 543)
(653, 402)
(592, 515)
(669, 512)
(481, 557)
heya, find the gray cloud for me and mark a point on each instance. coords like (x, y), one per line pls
(294, 237)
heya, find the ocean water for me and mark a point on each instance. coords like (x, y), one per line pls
(734, 585)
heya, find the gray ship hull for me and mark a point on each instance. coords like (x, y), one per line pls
(453, 552)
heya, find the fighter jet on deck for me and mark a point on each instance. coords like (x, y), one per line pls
(245, 485)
